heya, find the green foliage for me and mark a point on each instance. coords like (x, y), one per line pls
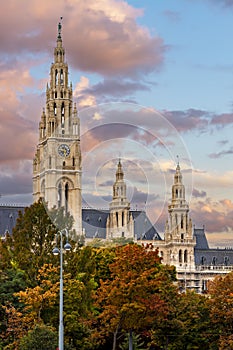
(31, 243)
(40, 338)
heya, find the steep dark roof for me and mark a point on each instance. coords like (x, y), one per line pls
(214, 256)
(201, 240)
(94, 222)
(143, 228)
(8, 217)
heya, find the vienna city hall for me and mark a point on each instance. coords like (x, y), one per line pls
(57, 178)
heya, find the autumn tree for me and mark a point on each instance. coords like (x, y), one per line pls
(221, 309)
(132, 299)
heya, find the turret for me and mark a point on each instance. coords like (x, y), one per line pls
(120, 220)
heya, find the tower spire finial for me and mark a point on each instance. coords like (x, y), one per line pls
(178, 160)
(59, 28)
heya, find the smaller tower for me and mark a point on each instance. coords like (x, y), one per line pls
(120, 220)
(178, 236)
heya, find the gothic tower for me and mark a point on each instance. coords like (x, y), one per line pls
(120, 220)
(57, 162)
(179, 238)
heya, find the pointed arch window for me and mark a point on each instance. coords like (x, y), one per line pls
(226, 260)
(66, 196)
(117, 218)
(62, 115)
(203, 260)
(182, 221)
(55, 108)
(180, 256)
(59, 195)
(185, 256)
(62, 77)
(56, 75)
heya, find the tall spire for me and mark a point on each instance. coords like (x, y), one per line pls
(119, 172)
(59, 29)
(59, 52)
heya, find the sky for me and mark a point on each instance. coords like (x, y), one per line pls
(153, 83)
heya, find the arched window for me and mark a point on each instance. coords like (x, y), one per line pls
(59, 195)
(226, 260)
(62, 78)
(66, 197)
(55, 109)
(117, 218)
(185, 256)
(56, 77)
(182, 222)
(180, 256)
(203, 260)
(182, 236)
(214, 260)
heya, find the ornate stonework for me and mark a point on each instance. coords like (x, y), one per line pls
(57, 162)
(120, 221)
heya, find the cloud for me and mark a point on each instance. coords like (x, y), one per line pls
(107, 89)
(217, 216)
(15, 178)
(221, 153)
(101, 36)
(222, 119)
(188, 120)
(109, 40)
(198, 194)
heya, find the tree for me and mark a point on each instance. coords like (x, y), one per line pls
(41, 337)
(221, 309)
(40, 299)
(132, 299)
(31, 243)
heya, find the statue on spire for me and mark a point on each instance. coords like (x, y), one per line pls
(59, 28)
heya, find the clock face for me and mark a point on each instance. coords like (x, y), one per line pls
(64, 150)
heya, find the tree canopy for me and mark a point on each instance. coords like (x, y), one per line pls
(110, 292)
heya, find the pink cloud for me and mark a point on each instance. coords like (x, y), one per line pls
(217, 216)
(100, 35)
